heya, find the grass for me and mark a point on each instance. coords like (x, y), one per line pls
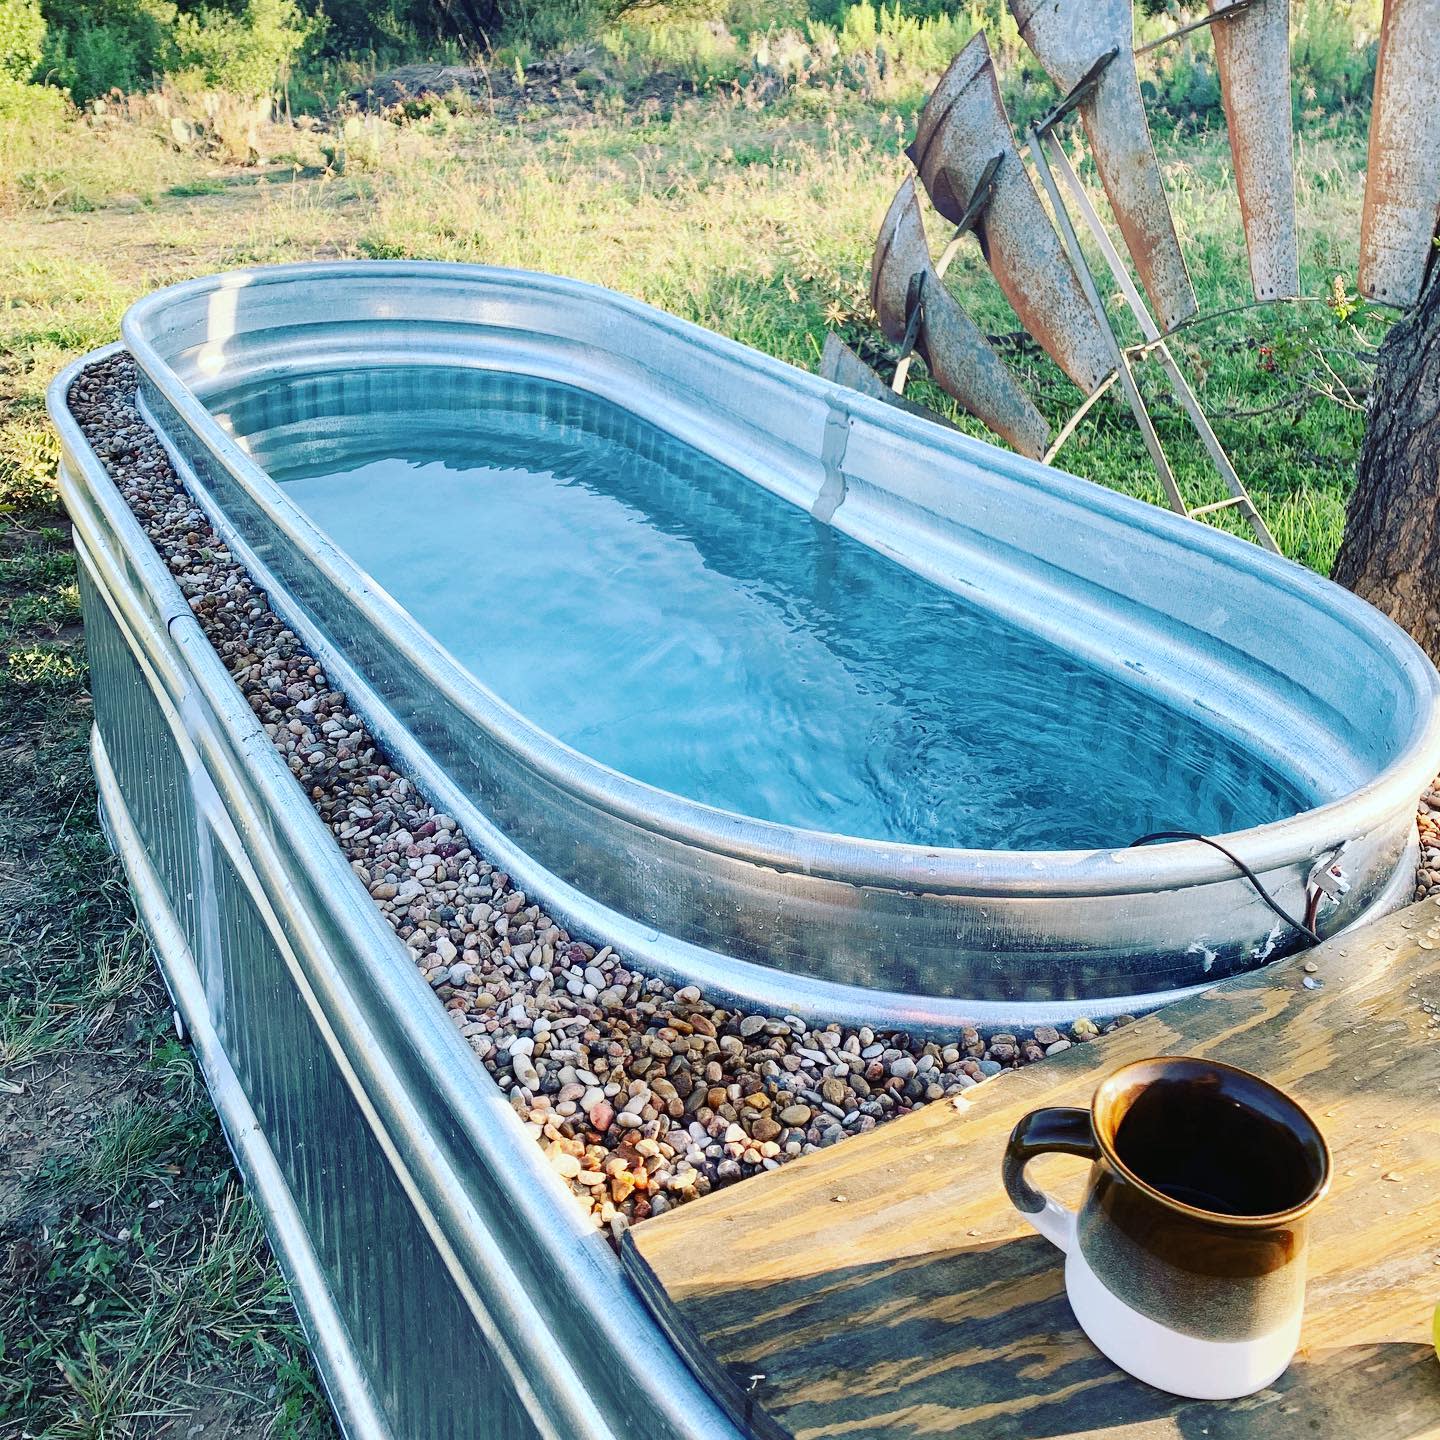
(135, 1285)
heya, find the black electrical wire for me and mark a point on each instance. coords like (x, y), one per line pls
(1300, 925)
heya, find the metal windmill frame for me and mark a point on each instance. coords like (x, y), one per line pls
(1401, 210)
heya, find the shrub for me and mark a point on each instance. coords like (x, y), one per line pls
(108, 45)
(388, 28)
(546, 25)
(703, 51)
(1332, 51)
(22, 38)
(249, 53)
(859, 30)
(19, 101)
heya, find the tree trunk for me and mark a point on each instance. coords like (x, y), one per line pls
(474, 23)
(1390, 555)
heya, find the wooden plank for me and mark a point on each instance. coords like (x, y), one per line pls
(885, 1287)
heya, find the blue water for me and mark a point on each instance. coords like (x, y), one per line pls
(656, 611)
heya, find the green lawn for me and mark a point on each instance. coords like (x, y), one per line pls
(134, 1282)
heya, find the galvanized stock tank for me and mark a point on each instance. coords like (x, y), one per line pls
(448, 1282)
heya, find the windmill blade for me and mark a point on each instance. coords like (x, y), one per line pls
(1068, 37)
(1252, 53)
(1402, 190)
(960, 358)
(838, 362)
(961, 131)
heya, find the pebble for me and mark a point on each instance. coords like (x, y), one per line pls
(644, 1095)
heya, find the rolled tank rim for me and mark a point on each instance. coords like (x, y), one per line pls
(856, 860)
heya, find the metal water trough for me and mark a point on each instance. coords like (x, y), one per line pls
(448, 1282)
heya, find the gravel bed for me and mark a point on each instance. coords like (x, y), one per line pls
(1427, 880)
(643, 1095)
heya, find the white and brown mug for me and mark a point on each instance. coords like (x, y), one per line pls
(1185, 1262)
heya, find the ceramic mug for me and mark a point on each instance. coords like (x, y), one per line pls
(1185, 1262)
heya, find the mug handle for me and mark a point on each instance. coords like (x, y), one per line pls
(1065, 1130)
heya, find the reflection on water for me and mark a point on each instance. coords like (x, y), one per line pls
(662, 614)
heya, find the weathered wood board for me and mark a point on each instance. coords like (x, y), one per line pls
(885, 1288)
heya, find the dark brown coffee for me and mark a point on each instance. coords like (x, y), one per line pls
(1212, 1149)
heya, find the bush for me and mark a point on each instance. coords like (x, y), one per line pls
(388, 28)
(249, 53)
(108, 45)
(22, 38)
(547, 25)
(703, 51)
(889, 51)
(19, 101)
(1332, 60)
(1332, 51)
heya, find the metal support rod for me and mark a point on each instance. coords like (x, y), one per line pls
(1209, 317)
(914, 319)
(1203, 23)
(1151, 332)
(948, 254)
(1082, 88)
(979, 199)
(1148, 328)
(1226, 504)
(1091, 78)
(1122, 365)
(1068, 428)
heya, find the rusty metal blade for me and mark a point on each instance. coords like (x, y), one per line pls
(1067, 37)
(1252, 53)
(962, 128)
(1402, 192)
(838, 362)
(960, 358)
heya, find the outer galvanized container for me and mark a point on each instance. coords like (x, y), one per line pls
(1325, 689)
(447, 1280)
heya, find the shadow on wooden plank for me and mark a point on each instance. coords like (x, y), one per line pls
(1028, 1372)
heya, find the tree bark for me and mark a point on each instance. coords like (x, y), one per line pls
(1390, 555)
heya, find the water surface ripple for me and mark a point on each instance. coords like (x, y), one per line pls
(658, 612)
